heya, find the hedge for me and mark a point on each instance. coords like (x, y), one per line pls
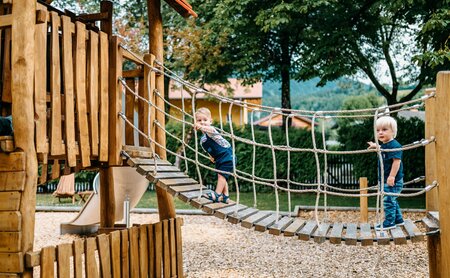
(303, 165)
(354, 136)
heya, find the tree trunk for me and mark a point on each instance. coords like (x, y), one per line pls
(285, 76)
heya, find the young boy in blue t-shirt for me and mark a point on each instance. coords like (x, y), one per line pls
(393, 171)
(220, 153)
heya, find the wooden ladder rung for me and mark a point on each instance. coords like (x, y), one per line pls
(398, 236)
(175, 190)
(166, 175)
(188, 196)
(277, 227)
(351, 237)
(135, 161)
(365, 234)
(249, 221)
(413, 232)
(224, 212)
(149, 169)
(236, 218)
(292, 229)
(336, 233)
(210, 208)
(261, 226)
(199, 203)
(320, 234)
(307, 231)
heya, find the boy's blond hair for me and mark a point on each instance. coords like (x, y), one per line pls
(203, 110)
(389, 122)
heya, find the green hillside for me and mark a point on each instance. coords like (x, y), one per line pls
(307, 96)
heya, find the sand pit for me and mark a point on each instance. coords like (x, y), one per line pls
(214, 248)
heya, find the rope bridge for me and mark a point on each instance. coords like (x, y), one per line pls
(177, 183)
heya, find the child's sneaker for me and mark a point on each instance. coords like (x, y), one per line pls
(400, 223)
(384, 226)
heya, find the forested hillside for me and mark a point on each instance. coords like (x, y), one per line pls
(307, 96)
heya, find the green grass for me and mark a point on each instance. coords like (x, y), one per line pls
(265, 201)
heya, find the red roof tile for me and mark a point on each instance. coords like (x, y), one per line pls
(239, 91)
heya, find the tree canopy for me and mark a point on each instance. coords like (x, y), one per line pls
(392, 43)
(405, 41)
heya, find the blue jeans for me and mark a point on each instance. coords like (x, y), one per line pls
(392, 213)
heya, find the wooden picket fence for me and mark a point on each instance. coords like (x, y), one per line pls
(150, 250)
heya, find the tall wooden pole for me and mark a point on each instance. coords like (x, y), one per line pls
(363, 201)
(165, 201)
(22, 65)
(443, 166)
(432, 201)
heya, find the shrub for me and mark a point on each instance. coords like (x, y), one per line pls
(303, 164)
(355, 135)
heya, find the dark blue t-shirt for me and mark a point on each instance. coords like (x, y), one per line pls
(388, 159)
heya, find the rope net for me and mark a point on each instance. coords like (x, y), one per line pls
(286, 183)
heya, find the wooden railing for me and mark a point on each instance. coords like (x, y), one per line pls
(71, 90)
(140, 79)
(151, 250)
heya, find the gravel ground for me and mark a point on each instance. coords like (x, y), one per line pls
(215, 248)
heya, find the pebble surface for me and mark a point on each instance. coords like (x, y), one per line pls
(215, 248)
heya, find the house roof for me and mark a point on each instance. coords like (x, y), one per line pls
(235, 86)
(412, 114)
(182, 7)
(276, 119)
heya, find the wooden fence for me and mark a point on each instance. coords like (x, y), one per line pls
(150, 250)
(72, 66)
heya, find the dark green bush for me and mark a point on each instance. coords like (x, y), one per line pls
(303, 164)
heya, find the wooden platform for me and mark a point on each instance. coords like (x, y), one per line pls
(186, 189)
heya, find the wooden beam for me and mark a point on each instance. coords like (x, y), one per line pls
(106, 24)
(5, 21)
(69, 98)
(107, 198)
(138, 60)
(115, 103)
(94, 17)
(104, 99)
(80, 93)
(166, 206)
(363, 207)
(22, 89)
(40, 83)
(432, 196)
(443, 165)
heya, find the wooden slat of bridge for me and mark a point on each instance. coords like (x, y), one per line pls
(186, 189)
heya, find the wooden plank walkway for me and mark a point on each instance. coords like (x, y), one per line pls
(178, 184)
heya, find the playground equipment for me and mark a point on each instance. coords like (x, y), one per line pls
(81, 69)
(60, 84)
(128, 185)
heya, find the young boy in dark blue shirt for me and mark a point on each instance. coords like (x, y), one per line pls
(393, 171)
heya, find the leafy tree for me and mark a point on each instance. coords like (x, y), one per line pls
(350, 37)
(252, 40)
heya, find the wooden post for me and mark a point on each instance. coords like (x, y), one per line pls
(147, 115)
(432, 201)
(107, 25)
(363, 204)
(166, 206)
(107, 198)
(22, 89)
(443, 167)
(115, 103)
